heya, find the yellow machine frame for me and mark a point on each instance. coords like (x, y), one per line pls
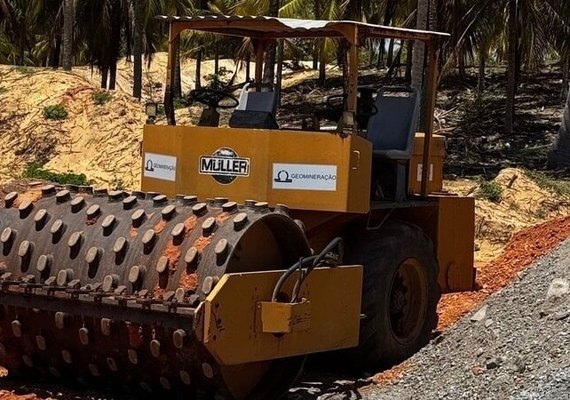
(448, 220)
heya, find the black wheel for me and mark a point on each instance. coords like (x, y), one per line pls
(400, 292)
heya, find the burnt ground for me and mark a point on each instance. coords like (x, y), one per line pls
(473, 124)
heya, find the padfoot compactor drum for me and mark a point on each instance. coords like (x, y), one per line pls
(112, 286)
(210, 294)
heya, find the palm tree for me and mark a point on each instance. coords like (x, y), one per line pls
(68, 22)
(270, 55)
(19, 20)
(418, 62)
(512, 65)
(138, 31)
(185, 8)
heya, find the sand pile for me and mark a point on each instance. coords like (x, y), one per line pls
(523, 204)
(101, 141)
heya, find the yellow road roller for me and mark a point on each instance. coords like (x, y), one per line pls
(249, 245)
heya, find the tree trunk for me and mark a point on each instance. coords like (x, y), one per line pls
(418, 62)
(481, 80)
(409, 60)
(390, 59)
(104, 77)
(322, 63)
(461, 64)
(395, 67)
(270, 54)
(433, 9)
(216, 61)
(511, 68)
(388, 16)
(112, 75)
(68, 20)
(343, 61)
(316, 45)
(138, 11)
(559, 155)
(248, 67)
(198, 77)
(279, 79)
(177, 84)
(269, 66)
(55, 53)
(565, 67)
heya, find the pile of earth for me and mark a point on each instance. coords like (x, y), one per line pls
(101, 141)
(525, 201)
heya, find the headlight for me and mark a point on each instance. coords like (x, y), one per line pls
(151, 110)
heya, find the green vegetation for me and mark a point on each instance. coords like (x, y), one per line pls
(491, 191)
(117, 184)
(548, 181)
(35, 170)
(514, 206)
(179, 103)
(218, 81)
(101, 97)
(540, 213)
(24, 70)
(55, 112)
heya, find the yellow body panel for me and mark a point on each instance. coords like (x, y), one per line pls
(284, 317)
(230, 321)
(454, 242)
(326, 172)
(435, 176)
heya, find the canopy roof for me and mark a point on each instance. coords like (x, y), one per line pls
(275, 28)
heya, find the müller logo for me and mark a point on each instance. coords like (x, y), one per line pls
(224, 165)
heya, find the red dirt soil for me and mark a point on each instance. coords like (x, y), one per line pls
(523, 249)
(172, 252)
(220, 219)
(32, 194)
(190, 223)
(159, 227)
(92, 220)
(9, 395)
(158, 292)
(188, 281)
(202, 242)
(136, 338)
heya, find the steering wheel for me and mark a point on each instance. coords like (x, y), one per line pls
(335, 103)
(213, 98)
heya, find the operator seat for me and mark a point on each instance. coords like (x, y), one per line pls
(256, 109)
(392, 131)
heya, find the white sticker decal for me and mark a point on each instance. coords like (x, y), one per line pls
(304, 177)
(420, 171)
(160, 166)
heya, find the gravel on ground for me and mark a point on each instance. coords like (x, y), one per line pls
(514, 346)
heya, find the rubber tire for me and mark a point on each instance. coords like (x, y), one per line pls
(381, 252)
